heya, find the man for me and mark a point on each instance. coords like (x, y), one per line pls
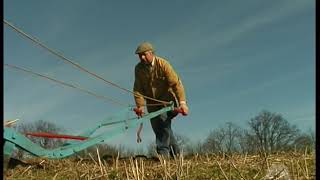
(156, 81)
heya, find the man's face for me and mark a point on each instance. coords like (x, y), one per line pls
(146, 57)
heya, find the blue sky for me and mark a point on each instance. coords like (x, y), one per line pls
(235, 58)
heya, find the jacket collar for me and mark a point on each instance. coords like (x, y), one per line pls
(153, 60)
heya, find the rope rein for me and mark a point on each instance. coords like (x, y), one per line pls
(68, 85)
(66, 60)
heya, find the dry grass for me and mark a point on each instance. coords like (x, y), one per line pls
(280, 166)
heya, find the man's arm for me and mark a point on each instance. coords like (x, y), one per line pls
(175, 83)
(177, 87)
(138, 91)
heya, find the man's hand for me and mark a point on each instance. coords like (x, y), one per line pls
(139, 111)
(184, 108)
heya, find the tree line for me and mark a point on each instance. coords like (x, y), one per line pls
(265, 133)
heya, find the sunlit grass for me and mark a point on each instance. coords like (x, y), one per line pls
(276, 166)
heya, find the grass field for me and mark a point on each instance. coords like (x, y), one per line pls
(277, 166)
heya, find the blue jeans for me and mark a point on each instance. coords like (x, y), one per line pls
(165, 140)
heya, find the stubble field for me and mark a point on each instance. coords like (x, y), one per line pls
(277, 166)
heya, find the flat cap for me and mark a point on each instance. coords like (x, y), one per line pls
(143, 47)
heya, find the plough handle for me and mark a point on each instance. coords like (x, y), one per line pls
(177, 110)
(138, 111)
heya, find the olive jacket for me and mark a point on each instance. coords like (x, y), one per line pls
(158, 81)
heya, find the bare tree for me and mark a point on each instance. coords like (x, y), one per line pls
(247, 142)
(38, 126)
(224, 139)
(304, 141)
(231, 142)
(193, 148)
(272, 132)
(42, 126)
(183, 142)
(212, 143)
(312, 136)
